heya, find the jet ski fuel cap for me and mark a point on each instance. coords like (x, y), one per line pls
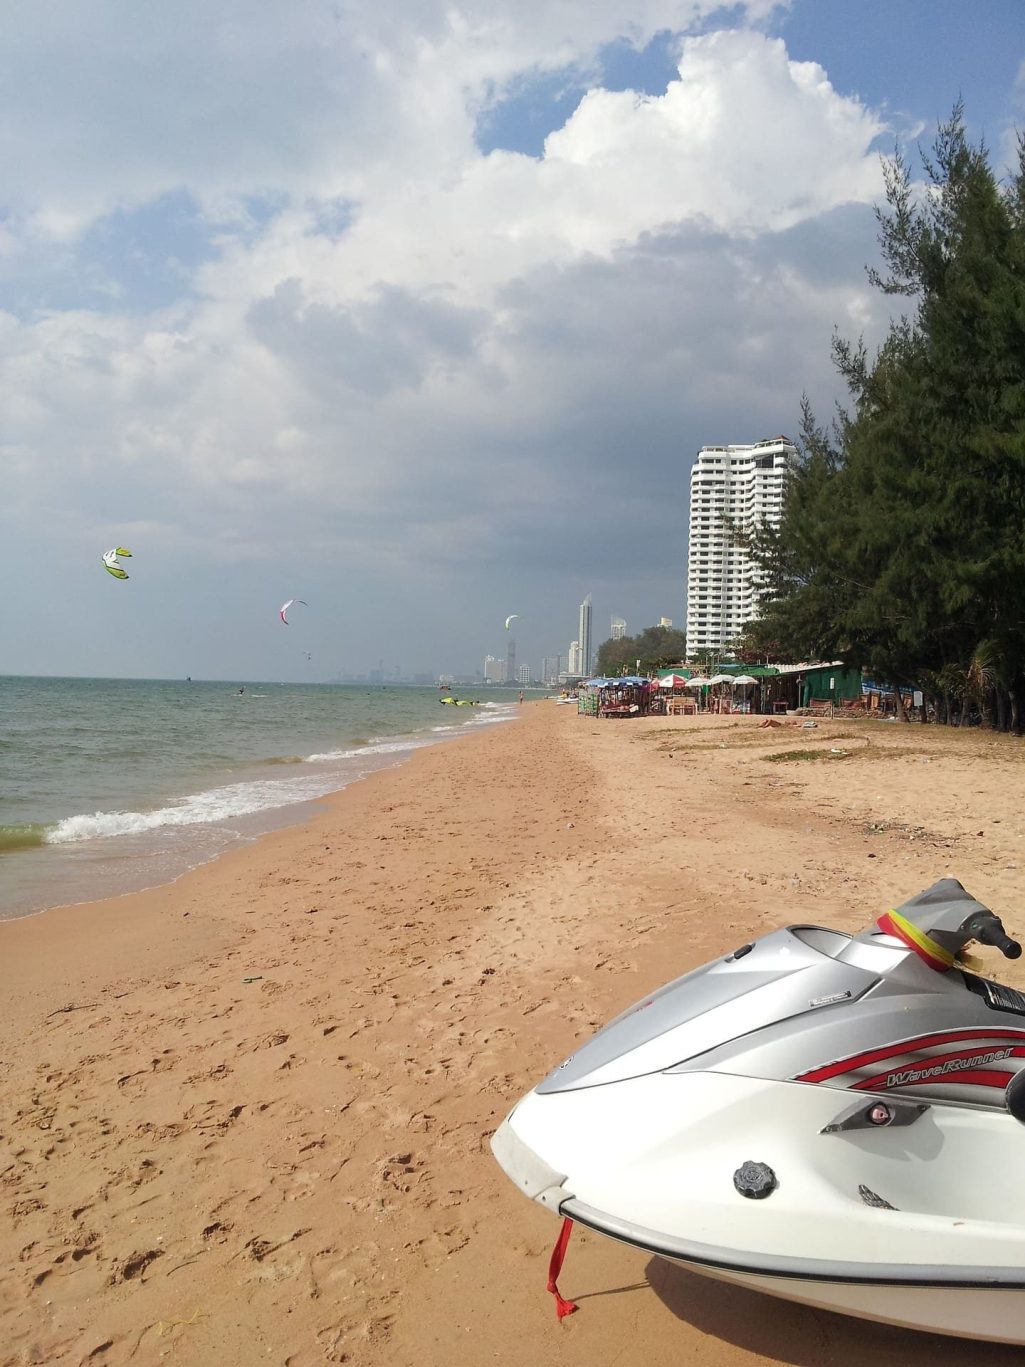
(755, 1180)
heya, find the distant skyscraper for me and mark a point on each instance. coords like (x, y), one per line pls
(510, 660)
(742, 485)
(584, 636)
(618, 628)
(573, 658)
(494, 669)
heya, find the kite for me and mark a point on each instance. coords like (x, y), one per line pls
(111, 564)
(511, 618)
(285, 606)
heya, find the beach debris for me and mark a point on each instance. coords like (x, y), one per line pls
(256, 979)
(511, 618)
(111, 563)
(166, 1326)
(285, 606)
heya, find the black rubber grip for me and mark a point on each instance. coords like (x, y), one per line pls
(991, 932)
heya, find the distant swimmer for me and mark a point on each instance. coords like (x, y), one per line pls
(241, 690)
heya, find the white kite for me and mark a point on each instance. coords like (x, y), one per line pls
(511, 618)
(285, 606)
(111, 563)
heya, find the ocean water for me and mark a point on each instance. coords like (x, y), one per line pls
(114, 785)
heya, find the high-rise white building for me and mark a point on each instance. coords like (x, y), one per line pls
(584, 636)
(742, 486)
(573, 658)
(618, 629)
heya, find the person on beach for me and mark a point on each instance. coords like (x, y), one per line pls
(521, 695)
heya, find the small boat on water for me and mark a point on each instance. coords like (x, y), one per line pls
(836, 1120)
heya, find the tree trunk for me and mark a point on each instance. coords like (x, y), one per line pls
(985, 711)
(1000, 698)
(1012, 694)
(945, 715)
(898, 703)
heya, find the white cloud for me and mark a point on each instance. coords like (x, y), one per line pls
(111, 104)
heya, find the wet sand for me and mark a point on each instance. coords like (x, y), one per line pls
(246, 1117)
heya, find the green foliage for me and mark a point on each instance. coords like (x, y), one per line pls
(902, 543)
(655, 647)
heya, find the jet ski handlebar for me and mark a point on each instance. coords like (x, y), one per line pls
(988, 930)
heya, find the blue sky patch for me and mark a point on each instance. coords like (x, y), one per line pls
(537, 104)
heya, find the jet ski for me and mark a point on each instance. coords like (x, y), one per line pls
(836, 1120)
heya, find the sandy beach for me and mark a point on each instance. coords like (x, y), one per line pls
(246, 1117)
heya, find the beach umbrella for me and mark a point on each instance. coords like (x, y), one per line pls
(673, 681)
(698, 682)
(721, 678)
(744, 679)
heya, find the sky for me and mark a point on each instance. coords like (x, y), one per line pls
(420, 312)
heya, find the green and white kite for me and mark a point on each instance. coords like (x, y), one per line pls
(111, 563)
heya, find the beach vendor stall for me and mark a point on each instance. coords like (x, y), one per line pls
(667, 693)
(743, 684)
(698, 684)
(721, 695)
(626, 697)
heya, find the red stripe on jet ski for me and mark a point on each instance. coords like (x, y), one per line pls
(855, 1061)
(938, 1067)
(979, 1077)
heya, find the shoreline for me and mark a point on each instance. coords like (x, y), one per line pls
(113, 867)
(134, 917)
(263, 1131)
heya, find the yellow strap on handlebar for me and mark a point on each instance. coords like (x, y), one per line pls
(934, 954)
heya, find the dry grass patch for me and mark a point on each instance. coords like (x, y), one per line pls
(787, 756)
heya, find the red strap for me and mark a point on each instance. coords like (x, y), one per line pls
(562, 1307)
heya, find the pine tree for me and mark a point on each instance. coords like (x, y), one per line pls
(902, 545)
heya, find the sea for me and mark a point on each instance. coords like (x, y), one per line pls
(110, 786)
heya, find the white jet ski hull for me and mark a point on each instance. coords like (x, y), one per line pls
(650, 1161)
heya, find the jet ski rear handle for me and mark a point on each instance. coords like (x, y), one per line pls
(988, 930)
